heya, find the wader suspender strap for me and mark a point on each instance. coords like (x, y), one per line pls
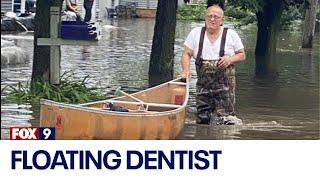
(198, 59)
(223, 42)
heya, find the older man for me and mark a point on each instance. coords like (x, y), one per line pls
(216, 50)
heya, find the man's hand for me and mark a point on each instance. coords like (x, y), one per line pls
(186, 75)
(224, 62)
(74, 8)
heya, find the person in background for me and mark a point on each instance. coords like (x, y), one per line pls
(73, 9)
(87, 4)
(215, 60)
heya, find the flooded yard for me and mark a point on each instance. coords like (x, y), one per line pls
(283, 107)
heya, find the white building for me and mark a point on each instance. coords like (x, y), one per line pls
(8, 6)
(99, 8)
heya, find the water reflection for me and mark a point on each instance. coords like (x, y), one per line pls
(285, 106)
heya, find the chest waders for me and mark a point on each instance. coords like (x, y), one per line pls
(215, 86)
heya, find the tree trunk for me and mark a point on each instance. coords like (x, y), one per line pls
(161, 60)
(221, 3)
(268, 30)
(309, 24)
(41, 54)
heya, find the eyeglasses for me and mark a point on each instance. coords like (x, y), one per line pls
(209, 17)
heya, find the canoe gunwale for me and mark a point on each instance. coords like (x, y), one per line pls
(83, 107)
(148, 104)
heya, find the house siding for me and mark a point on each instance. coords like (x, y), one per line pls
(6, 6)
(143, 4)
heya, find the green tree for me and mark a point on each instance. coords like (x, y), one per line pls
(41, 54)
(162, 53)
(268, 13)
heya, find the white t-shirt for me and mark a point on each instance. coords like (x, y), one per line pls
(210, 50)
(69, 2)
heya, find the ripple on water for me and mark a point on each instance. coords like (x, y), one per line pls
(15, 115)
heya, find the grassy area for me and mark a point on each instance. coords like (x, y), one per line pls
(69, 91)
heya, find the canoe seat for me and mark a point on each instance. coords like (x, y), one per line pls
(178, 83)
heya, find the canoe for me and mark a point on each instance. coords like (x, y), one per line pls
(155, 113)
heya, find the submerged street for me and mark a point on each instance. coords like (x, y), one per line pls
(285, 106)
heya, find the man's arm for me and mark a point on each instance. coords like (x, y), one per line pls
(185, 62)
(226, 61)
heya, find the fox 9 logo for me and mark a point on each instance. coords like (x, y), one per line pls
(32, 133)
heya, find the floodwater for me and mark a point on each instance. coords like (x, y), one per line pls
(285, 106)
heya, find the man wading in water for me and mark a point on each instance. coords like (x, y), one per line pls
(216, 50)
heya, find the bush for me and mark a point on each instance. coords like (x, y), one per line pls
(237, 12)
(239, 16)
(289, 16)
(192, 12)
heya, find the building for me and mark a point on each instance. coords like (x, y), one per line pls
(6, 6)
(144, 8)
(18, 6)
